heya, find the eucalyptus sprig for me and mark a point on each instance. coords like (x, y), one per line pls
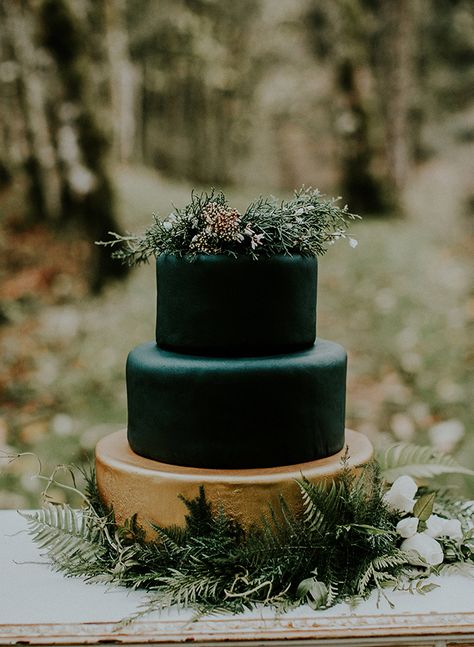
(306, 224)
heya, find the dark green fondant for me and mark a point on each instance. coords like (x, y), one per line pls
(233, 413)
(217, 305)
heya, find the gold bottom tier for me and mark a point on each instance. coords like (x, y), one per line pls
(131, 484)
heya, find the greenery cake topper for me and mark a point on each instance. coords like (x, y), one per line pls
(306, 224)
(365, 530)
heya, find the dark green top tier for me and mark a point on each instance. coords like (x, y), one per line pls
(217, 305)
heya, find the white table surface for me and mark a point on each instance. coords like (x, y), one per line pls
(40, 606)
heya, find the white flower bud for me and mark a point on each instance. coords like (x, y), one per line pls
(167, 225)
(398, 502)
(405, 485)
(435, 526)
(407, 527)
(424, 547)
(400, 496)
(452, 528)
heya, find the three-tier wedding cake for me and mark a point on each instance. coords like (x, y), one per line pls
(236, 393)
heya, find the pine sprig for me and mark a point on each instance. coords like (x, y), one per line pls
(307, 224)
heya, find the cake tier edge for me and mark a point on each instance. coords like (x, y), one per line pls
(228, 413)
(131, 484)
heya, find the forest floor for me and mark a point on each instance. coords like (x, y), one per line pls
(401, 303)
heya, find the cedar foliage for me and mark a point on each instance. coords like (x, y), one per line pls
(308, 223)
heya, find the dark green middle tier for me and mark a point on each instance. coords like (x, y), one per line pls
(236, 413)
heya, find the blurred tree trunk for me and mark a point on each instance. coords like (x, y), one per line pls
(394, 64)
(83, 145)
(359, 185)
(122, 81)
(8, 94)
(339, 37)
(373, 40)
(5, 163)
(41, 162)
(198, 82)
(60, 113)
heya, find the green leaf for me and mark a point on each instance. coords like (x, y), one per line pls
(426, 588)
(418, 462)
(304, 587)
(423, 508)
(456, 568)
(316, 592)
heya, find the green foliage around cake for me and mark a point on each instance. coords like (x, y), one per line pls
(418, 462)
(306, 224)
(352, 536)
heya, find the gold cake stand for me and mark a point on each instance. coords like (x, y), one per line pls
(131, 484)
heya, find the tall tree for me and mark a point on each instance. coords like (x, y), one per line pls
(198, 83)
(393, 55)
(41, 160)
(339, 36)
(56, 47)
(123, 81)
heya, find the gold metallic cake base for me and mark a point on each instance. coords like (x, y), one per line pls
(131, 484)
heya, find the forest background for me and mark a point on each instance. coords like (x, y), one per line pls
(111, 110)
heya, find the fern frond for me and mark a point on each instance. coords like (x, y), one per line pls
(320, 504)
(333, 593)
(166, 538)
(363, 583)
(385, 562)
(418, 462)
(66, 536)
(380, 569)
